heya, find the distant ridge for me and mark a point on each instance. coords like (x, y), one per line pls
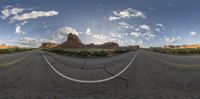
(181, 46)
(73, 42)
(3, 46)
(48, 45)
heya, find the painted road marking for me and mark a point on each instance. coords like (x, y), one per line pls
(175, 64)
(12, 62)
(89, 81)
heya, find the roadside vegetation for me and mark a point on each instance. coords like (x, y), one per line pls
(13, 50)
(88, 52)
(187, 51)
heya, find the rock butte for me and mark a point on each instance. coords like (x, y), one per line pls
(73, 42)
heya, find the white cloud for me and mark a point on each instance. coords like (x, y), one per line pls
(34, 15)
(8, 11)
(157, 29)
(136, 34)
(23, 23)
(111, 18)
(117, 35)
(149, 36)
(140, 42)
(88, 31)
(100, 36)
(32, 42)
(173, 39)
(27, 40)
(145, 27)
(151, 8)
(133, 42)
(64, 31)
(127, 13)
(159, 25)
(193, 33)
(18, 30)
(124, 25)
(60, 35)
(47, 40)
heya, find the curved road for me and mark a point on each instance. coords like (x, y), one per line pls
(28, 75)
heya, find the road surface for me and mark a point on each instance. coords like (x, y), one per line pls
(146, 75)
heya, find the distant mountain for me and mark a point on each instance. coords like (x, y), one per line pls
(107, 45)
(3, 46)
(181, 46)
(48, 45)
(73, 41)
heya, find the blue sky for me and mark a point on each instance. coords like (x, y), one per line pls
(127, 22)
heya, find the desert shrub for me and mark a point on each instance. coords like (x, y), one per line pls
(176, 51)
(13, 50)
(100, 53)
(119, 51)
(83, 53)
(87, 52)
(56, 51)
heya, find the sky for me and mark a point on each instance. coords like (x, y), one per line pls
(147, 23)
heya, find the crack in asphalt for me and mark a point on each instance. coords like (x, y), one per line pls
(59, 61)
(89, 81)
(113, 75)
(82, 67)
(121, 78)
(86, 60)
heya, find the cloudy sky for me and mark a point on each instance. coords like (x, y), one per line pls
(127, 22)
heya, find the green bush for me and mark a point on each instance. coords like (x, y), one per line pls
(176, 51)
(87, 52)
(100, 53)
(119, 51)
(83, 53)
(13, 50)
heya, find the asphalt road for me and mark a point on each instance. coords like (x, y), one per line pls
(134, 75)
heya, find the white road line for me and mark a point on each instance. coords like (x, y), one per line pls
(88, 81)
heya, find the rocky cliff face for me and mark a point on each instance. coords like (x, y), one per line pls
(108, 45)
(48, 45)
(73, 41)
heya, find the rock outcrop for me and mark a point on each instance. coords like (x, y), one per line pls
(109, 45)
(48, 45)
(73, 41)
(181, 46)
